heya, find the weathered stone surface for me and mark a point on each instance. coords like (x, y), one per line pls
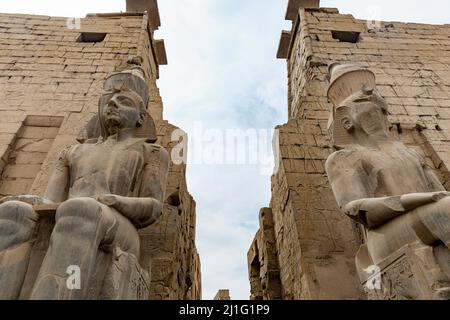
(264, 268)
(405, 274)
(49, 80)
(411, 63)
(125, 279)
(223, 294)
(388, 188)
(101, 193)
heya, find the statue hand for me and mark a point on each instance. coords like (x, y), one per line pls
(140, 211)
(30, 199)
(108, 199)
(352, 209)
(373, 212)
(414, 200)
(440, 195)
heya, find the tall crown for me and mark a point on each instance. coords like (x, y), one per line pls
(345, 81)
(132, 80)
(348, 79)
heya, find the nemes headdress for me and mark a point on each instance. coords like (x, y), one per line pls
(346, 80)
(133, 81)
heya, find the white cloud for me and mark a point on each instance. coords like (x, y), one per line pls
(432, 11)
(222, 71)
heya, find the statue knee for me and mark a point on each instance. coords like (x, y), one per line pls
(86, 209)
(83, 214)
(17, 211)
(17, 223)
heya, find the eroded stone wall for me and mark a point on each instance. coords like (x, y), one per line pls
(27, 151)
(264, 270)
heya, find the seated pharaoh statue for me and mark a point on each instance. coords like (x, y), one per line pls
(103, 191)
(382, 184)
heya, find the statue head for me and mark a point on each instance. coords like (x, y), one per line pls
(359, 112)
(122, 110)
(124, 106)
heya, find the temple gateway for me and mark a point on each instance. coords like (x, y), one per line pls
(92, 207)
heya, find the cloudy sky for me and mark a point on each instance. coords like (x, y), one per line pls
(222, 74)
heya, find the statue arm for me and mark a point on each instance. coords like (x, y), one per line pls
(142, 212)
(58, 186)
(434, 181)
(345, 174)
(377, 211)
(350, 185)
(146, 209)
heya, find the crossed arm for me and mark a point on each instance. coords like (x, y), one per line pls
(354, 195)
(142, 211)
(146, 209)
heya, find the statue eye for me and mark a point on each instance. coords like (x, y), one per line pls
(126, 102)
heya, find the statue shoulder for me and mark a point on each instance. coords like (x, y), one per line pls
(65, 153)
(153, 148)
(417, 155)
(345, 158)
(64, 157)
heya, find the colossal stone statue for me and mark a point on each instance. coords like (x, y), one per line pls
(102, 192)
(389, 189)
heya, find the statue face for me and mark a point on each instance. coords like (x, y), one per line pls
(121, 111)
(367, 113)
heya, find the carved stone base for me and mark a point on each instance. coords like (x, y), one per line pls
(125, 279)
(13, 264)
(120, 275)
(415, 272)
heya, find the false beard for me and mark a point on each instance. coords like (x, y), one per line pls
(113, 126)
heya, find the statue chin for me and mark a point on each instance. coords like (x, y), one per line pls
(388, 187)
(112, 121)
(113, 127)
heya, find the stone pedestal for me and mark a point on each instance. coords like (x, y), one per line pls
(415, 272)
(123, 279)
(14, 261)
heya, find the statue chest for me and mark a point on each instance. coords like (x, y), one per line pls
(394, 171)
(106, 168)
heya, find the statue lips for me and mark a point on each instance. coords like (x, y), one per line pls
(112, 111)
(112, 116)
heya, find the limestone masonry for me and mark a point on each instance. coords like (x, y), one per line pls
(305, 248)
(52, 71)
(359, 194)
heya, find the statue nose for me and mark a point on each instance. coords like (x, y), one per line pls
(113, 104)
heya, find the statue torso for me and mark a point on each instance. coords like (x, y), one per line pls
(110, 167)
(394, 170)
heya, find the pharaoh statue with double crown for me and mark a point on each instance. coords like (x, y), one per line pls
(103, 191)
(382, 184)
